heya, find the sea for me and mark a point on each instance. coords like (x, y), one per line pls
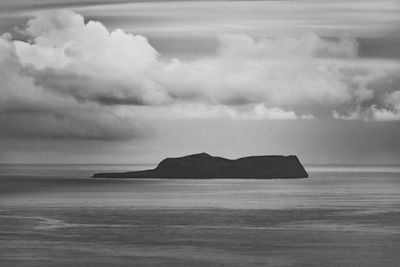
(56, 215)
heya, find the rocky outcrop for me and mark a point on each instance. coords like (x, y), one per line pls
(205, 166)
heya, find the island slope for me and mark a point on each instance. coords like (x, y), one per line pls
(205, 166)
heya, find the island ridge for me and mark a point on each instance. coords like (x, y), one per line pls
(205, 166)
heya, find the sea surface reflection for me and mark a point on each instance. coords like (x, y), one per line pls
(53, 215)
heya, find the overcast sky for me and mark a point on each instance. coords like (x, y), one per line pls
(135, 81)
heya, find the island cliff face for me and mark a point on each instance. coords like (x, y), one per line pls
(204, 166)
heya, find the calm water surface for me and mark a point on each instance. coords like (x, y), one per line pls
(53, 215)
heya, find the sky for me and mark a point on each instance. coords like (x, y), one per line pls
(109, 81)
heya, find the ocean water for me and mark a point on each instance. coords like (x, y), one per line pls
(54, 215)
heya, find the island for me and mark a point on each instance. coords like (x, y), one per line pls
(205, 166)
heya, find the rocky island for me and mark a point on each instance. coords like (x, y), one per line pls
(205, 166)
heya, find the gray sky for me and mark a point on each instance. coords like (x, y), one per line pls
(135, 81)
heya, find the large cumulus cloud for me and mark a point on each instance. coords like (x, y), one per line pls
(28, 110)
(65, 77)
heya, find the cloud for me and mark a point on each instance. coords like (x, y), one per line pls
(62, 39)
(252, 71)
(86, 61)
(304, 46)
(393, 99)
(68, 78)
(207, 111)
(385, 115)
(391, 111)
(28, 110)
(369, 114)
(388, 110)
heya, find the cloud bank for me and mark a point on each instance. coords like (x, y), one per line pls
(67, 78)
(28, 110)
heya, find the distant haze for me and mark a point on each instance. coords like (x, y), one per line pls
(135, 81)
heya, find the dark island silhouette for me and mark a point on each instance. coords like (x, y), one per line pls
(205, 166)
